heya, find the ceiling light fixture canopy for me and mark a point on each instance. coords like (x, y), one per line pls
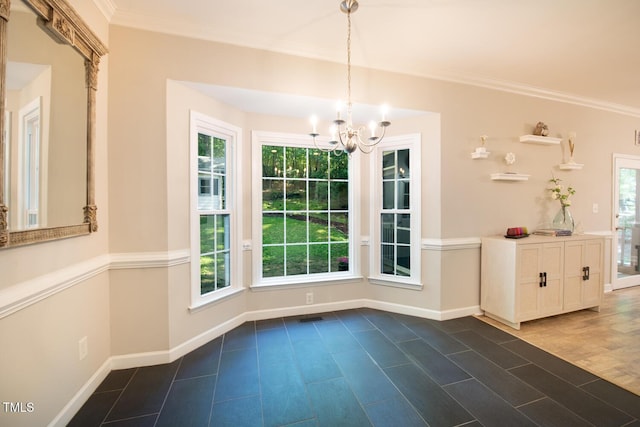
(344, 136)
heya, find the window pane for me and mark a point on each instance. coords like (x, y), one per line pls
(318, 195)
(272, 195)
(218, 190)
(219, 156)
(387, 259)
(273, 261)
(404, 261)
(388, 228)
(389, 165)
(207, 230)
(388, 195)
(318, 230)
(403, 195)
(296, 162)
(222, 237)
(403, 164)
(339, 257)
(204, 147)
(296, 195)
(339, 195)
(272, 228)
(404, 229)
(296, 228)
(318, 164)
(296, 260)
(207, 274)
(339, 167)
(272, 161)
(222, 270)
(319, 259)
(339, 227)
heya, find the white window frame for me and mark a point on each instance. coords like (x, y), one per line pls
(260, 138)
(203, 124)
(413, 143)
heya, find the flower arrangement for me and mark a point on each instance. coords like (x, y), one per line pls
(558, 194)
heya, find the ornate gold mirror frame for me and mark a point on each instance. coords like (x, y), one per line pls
(62, 22)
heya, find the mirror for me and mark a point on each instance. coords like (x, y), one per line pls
(48, 65)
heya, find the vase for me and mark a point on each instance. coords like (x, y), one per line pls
(563, 219)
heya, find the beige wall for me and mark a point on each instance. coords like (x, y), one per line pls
(141, 307)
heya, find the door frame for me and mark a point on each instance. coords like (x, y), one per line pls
(625, 161)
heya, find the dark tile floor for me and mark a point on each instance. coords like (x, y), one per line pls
(359, 368)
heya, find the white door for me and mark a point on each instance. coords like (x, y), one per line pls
(626, 221)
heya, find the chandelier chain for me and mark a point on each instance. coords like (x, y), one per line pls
(349, 60)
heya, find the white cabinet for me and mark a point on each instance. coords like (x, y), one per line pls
(540, 276)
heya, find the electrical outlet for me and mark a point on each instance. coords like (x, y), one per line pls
(83, 348)
(309, 297)
(596, 208)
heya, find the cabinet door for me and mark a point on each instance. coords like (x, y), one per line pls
(578, 292)
(551, 294)
(529, 260)
(592, 288)
(574, 262)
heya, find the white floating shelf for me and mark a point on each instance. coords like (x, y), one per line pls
(543, 140)
(476, 155)
(570, 166)
(509, 177)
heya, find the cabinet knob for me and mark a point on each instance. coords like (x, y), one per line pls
(585, 273)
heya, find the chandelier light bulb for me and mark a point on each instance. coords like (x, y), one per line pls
(372, 128)
(384, 110)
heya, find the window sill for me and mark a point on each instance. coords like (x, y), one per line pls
(218, 297)
(415, 286)
(298, 283)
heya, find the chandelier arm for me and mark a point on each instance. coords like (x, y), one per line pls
(375, 140)
(324, 150)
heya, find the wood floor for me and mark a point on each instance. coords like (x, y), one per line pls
(606, 343)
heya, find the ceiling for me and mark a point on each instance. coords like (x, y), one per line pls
(581, 51)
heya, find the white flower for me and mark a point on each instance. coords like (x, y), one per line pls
(510, 158)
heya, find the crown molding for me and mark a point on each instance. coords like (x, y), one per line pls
(106, 7)
(536, 92)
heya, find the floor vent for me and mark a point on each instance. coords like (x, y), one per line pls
(310, 319)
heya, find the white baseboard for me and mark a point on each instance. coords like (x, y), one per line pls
(85, 392)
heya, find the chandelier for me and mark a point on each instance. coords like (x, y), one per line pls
(344, 135)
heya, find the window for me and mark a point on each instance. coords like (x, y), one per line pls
(214, 210)
(305, 207)
(396, 204)
(31, 158)
(6, 138)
